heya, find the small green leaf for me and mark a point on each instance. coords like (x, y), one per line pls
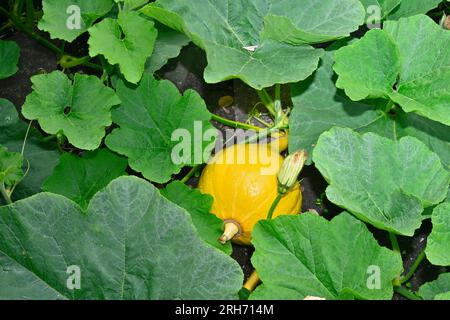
(209, 227)
(131, 244)
(167, 46)
(67, 19)
(80, 110)
(9, 57)
(406, 62)
(41, 156)
(10, 167)
(383, 182)
(408, 8)
(127, 41)
(306, 255)
(230, 33)
(153, 118)
(438, 243)
(80, 178)
(438, 289)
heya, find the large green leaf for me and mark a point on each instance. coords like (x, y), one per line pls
(438, 243)
(406, 62)
(312, 21)
(438, 289)
(127, 41)
(132, 244)
(9, 57)
(149, 118)
(319, 106)
(80, 110)
(10, 167)
(230, 32)
(41, 156)
(61, 16)
(209, 227)
(167, 46)
(383, 182)
(408, 8)
(305, 255)
(80, 178)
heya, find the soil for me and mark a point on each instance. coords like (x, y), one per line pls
(186, 72)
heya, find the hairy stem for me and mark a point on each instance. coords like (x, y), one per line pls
(414, 267)
(274, 206)
(234, 124)
(5, 194)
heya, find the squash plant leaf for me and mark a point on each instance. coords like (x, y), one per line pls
(167, 46)
(438, 289)
(80, 110)
(86, 175)
(406, 62)
(438, 243)
(408, 8)
(300, 22)
(319, 106)
(127, 41)
(41, 156)
(209, 227)
(385, 6)
(390, 197)
(306, 255)
(230, 33)
(132, 4)
(10, 167)
(132, 243)
(9, 57)
(161, 131)
(67, 19)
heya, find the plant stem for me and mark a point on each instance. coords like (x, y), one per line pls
(406, 293)
(267, 101)
(274, 206)
(68, 62)
(191, 173)
(235, 124)
(414, 267)
(252, 282)
(5, 194)
(30, 13)
(394, 242)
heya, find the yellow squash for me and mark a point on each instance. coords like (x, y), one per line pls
(243, 182)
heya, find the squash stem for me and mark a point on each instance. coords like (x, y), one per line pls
(191, 173)
(394, 242)
(234, 124)
(267, 101)
(274, 206)
(406, 293)
(252, 281)
(231, 229)
(5, 194)
(413, 268)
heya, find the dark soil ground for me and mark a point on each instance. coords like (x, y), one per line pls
(186, 72)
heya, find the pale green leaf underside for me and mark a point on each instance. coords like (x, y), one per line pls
(383, 182)
(306, 255)
(80, 178)
(9, 57)
(80, 110)
(154, 118)
(438, 289)
(127, 41)
(209, 227)
(132, 244)
(438, 243)
(167, 46)
(407, 62)
(319, 106)
(228, 30)
(41, 155)
(60, 17)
